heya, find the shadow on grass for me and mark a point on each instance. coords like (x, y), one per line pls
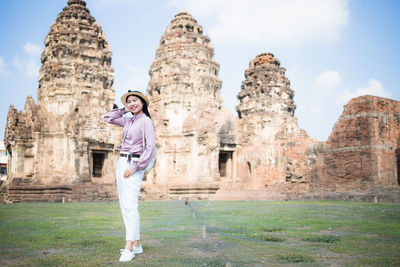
(271, 229)
(294, 257)
(266, 237)
(322, 239)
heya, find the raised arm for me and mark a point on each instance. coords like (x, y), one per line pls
(115, 117)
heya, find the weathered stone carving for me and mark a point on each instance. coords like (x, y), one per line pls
(63, 140)
(266, 107)
(272, 148)
(192, 125)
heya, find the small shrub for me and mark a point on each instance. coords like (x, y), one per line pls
(322, 239)
(295, 257)
(269, 238)
(271, 229)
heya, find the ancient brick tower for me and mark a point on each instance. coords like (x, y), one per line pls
(62, 146)
(266, 107)
(194, 130)
(272, 146)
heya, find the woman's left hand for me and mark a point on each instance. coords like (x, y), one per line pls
(128, 172)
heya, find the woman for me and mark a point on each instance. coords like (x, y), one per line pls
(132, 162)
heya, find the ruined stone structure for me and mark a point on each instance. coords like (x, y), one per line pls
(194, 131)
(271, 141)
(271, 155)
(361, 156)
(61, 148)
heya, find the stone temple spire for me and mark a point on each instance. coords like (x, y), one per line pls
(266, 106)
(186, 105)
(184, 64)
(76, 62)
(63, 143)
(76, 2)
(184, 21)
(266, 89)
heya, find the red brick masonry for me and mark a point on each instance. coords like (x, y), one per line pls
(362, 151)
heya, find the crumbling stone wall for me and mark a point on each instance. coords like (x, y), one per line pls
(362, 150)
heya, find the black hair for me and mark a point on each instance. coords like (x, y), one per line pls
(144, 109)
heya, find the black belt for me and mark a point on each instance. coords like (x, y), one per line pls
(126, 155)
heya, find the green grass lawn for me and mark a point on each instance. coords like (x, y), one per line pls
(242, 233)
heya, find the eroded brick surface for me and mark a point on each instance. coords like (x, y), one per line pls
(361, 151)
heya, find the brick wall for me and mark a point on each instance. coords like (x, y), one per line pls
(361, 150)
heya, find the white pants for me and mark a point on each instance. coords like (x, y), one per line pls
(128, 194)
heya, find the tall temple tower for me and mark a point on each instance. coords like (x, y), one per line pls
(272, 146)
(62, 144)
(266, 107)
(194, 130)
(76, 63)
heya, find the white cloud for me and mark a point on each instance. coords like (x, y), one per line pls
(317, 105)
(32, 49)
(18, 63)
(270, 22)
(374, 88)
(3, 71)
(320, 105)
(325, 87)
(328, 79)
(132, 78)
(29, 65)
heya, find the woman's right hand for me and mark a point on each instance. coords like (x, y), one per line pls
(128, 172)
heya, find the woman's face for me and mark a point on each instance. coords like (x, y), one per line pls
(134, 104)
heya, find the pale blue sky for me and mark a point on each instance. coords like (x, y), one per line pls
(332, 49)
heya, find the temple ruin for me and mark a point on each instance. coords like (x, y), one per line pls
(194, 130)
(361, 158)
(272, 146)
(60, 149)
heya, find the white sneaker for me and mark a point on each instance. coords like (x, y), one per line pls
(138, 250)
(127, 255)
